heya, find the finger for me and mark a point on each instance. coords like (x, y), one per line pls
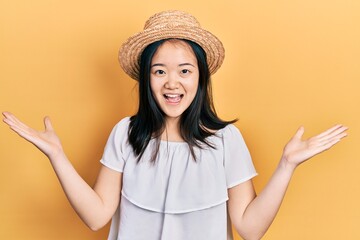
(9, 120)
(334, 134)
(12, 120)
(299, 133)
(22, 132)
(48, 125)
(8, 116)
(336, 137)
(16, 125)
(328, 145)
(29, 137)
(330, 130)
(5, 113)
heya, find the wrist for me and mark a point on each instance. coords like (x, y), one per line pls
(56, 155)
(286, 165)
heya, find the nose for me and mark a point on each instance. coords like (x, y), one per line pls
(172, 82)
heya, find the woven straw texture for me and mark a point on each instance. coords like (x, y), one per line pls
(166, 25)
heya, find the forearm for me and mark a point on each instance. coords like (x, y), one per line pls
(85, 201)
(253, 215)
(261, 212)
(94, 207)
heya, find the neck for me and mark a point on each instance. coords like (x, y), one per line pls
(172, 130)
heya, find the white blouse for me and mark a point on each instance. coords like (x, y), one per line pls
(176, 198)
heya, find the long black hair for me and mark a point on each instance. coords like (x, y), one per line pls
(197, 122)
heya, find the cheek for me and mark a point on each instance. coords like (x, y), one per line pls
(154, 86)
(194, 85)
(195, 88)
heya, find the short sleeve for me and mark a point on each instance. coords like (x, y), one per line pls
(237, 160)
(113, 156)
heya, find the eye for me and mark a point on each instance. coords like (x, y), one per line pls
(185, 71)
(159, 72)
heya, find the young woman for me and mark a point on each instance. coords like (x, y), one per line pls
(175, 170)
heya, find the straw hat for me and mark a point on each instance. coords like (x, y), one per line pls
(165, 25)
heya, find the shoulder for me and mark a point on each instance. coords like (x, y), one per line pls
(229, 130)
(123, 123)
(120, 129)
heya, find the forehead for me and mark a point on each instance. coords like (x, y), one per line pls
(174, 50)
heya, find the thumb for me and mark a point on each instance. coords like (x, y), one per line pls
(47, 123)
(299, 133)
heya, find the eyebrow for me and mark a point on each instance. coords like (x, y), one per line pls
(180, 65)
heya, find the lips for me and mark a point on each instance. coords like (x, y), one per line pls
(173, 98)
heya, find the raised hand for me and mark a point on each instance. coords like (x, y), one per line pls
(297, 150)
(47, 141)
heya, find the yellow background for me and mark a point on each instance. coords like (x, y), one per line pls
(288, 63)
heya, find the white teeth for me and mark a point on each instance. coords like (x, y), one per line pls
(172, 95)
(173, 98)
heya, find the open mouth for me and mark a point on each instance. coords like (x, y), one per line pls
(173, 98)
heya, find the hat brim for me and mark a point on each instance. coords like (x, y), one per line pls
(132, 49)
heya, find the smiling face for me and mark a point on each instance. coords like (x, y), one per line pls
(174, 77)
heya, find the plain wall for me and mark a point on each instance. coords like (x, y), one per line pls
(288, 63)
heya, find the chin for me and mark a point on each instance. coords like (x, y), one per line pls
(172, 116)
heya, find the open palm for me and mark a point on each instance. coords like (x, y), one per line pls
(297, 150)
(47, 141)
